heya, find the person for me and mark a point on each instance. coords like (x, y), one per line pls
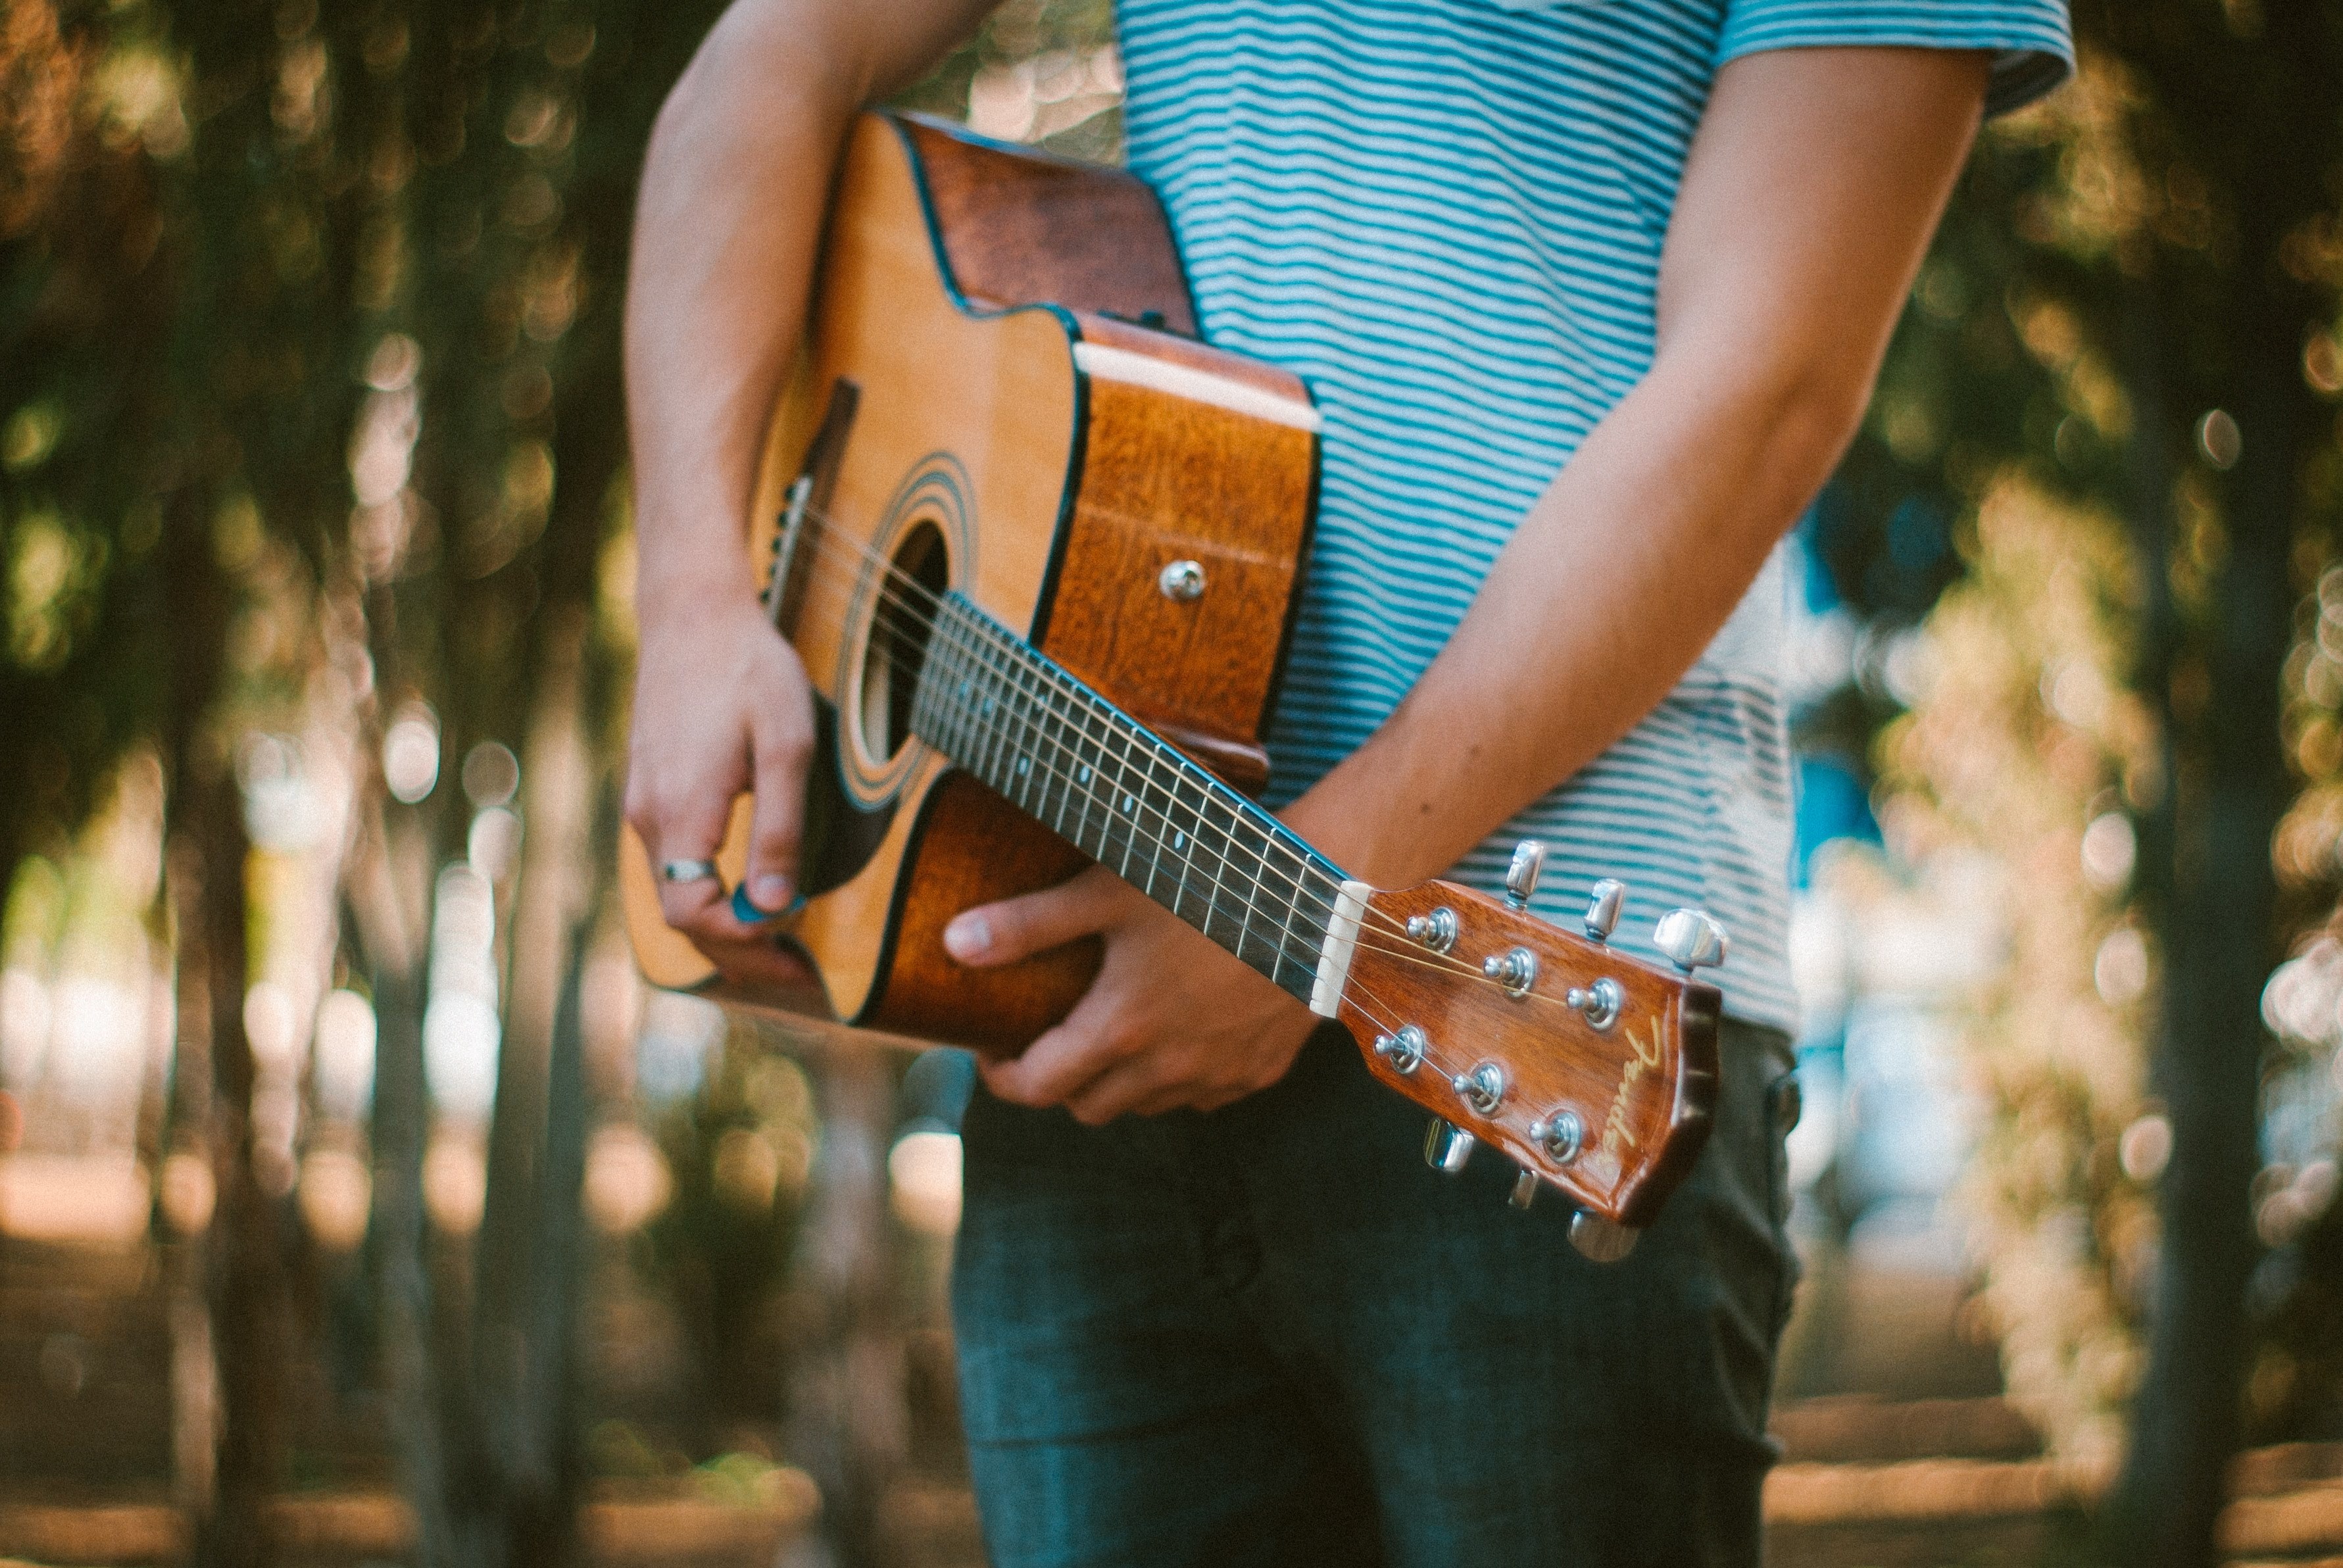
(1592, 294)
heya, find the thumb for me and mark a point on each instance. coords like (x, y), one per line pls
(1014, 929)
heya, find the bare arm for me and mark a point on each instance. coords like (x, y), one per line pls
(733, 191)
(1814, 185)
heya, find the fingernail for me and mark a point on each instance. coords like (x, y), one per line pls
(771, 892)
(967, 938)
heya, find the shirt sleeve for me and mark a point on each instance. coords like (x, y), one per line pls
(2031, 43)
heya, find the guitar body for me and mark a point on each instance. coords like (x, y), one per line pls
(1049, 462)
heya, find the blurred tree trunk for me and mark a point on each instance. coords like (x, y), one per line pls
(846, 1422)
(528, 1257)
(2223, 330)
(389, 935)
(249, 1310)
(2218, 932)
(194, 1373)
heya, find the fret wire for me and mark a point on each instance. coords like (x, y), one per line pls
(1110, 791)
(1195, 818)
(1033, 724)
(1119, 795)
(1181, 841)
(1065, 777)
(1103, 792)
(1127, 797)
(1147, 786)
(1086, 770)
(1294, 914)
(1247, 925)
(957, 668)
(1092, 774)
(989, 748)
(984, 752)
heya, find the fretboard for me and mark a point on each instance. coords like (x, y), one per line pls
(1131, 801)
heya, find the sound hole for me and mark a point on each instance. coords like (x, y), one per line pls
(898, 640)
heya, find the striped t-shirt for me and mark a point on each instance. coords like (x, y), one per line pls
(1446, 217)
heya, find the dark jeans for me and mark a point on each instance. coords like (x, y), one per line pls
(1270, 1334)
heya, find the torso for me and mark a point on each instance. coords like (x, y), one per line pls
(1447, 217)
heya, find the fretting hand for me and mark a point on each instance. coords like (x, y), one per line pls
(1172, 1020)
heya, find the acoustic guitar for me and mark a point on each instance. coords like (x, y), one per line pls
(1040, 561)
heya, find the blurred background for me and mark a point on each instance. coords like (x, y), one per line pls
(358, 1204)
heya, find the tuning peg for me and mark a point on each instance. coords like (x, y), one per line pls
(1690, 938)
(1446, 1146)
(1603, 908)
(1522, 876)
(1601, 1240)
(1524, 1192)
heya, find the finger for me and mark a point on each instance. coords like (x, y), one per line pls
(1140, 1085)
(782, 746)
(1063, 1060)
(1014, 929)
(680, 827)
(693, 907)
(756, 960)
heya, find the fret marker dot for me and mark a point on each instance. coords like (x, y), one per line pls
(1129, 804)
(1179, 840)
(1085, 776)
(1024, 765)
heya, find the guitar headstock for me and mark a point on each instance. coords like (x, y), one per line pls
(1593, 1071)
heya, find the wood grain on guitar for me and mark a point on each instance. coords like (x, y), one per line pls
(1040, 561)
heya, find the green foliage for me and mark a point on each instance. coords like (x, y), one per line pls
(2131, 316)
(309, 332)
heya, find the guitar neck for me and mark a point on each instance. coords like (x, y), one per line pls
(1082, 768)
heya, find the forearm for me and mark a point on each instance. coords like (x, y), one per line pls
(1616, 580)
(718, 287)
(726, 231)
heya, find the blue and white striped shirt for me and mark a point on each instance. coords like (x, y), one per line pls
(1446, 215)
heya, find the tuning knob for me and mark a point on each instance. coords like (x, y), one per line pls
(1690, 938)
(1524, 1192)
(1522, 876)
(1446, 1146)
(1603, 908)
(1601, 1240)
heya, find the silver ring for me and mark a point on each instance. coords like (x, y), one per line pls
(687, 870)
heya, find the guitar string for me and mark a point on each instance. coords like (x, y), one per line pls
(958, 638)
(981, 729)
(829, 535)
(907, 613)
(830, 538)
(962, 640)
(966, 641)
